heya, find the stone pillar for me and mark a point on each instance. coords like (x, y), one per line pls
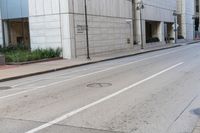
(161, 33)
(199, 16)
(1, 31)
(138, 29)
(51, 25)
(67, 36)
(6, 33)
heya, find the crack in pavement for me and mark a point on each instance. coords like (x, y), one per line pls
(188, 105)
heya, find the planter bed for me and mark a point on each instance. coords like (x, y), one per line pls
(24, 56)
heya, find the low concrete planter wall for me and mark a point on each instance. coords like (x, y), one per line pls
(2, 60)
(32, 62)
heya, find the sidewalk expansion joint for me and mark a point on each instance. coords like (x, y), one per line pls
(61, 125)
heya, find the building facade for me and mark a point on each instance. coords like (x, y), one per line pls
(113, 25)
(61, 23)
(15, 25)
(157, 21)
(186, 11)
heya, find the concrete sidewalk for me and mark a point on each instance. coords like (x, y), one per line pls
(197, 128)
(15, 72)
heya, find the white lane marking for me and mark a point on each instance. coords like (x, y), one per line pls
(65, 116)
(81, 76)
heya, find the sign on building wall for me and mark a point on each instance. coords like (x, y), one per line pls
(81, 28)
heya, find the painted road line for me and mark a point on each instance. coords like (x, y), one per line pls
(81, 76)
(70, 114)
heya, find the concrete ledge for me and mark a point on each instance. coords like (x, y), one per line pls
(32, 62)
(193, 42)
(2, 60)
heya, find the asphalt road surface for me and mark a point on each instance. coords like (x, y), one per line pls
(156, 92)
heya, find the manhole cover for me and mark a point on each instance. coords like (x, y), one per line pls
(99, 85)
(5, 88)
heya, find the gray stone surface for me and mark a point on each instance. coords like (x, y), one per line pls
(197, 128)
(2, 60)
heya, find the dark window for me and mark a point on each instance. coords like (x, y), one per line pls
(197, 8)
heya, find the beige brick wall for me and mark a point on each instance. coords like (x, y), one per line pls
(109, 26)
(55, 23)
(186, 10)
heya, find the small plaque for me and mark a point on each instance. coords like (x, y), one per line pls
(80, 28)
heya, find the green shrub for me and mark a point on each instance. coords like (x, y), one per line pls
(19, 55)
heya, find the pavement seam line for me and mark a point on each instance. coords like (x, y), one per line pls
(181, 113)
(74, 112)
(63, 125)
(81, 76)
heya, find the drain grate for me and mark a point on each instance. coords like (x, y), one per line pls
(99, 85)
(5, 87)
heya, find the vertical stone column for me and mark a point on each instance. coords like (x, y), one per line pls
(1, 31)
(161, 33)
(144, 31)
(1, 34)
(67, 36)
(199, 15)
(138, 30)
(67, 26)
(6, 34)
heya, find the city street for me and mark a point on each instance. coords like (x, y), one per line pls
(156, 92)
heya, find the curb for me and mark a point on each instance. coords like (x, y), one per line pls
(196, 128)
(84, 64)
(197, 41)
(33, 62)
